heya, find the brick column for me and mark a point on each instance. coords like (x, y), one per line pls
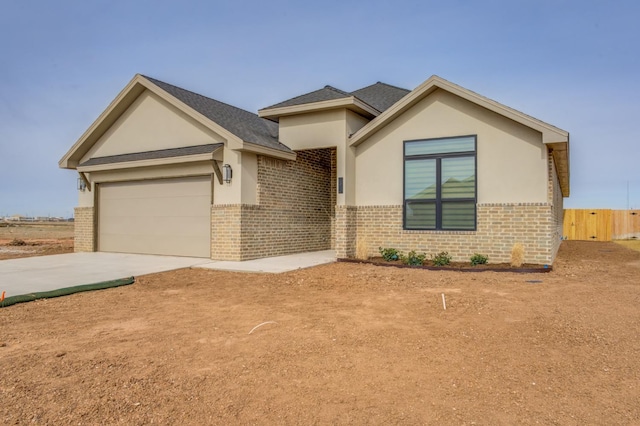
(346, 231)
(226, 225)
(84, 230)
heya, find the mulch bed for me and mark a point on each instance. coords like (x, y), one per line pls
(457, 266)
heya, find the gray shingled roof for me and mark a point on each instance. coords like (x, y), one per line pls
(379, 96)
(151, 155)
(245, 125)
(327, 93)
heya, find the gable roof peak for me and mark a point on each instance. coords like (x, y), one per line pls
(243, 124)
(380, 95)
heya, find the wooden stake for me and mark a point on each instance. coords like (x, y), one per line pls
(444, 304)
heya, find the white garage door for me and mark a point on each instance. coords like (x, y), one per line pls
(163, 216)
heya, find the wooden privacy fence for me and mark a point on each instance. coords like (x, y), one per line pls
(601, 225)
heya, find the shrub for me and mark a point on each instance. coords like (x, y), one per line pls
(441, 259)
(479, 259)
(17, 242)
(389, 254)
(517, 255)
(413, 259)
(362, 250)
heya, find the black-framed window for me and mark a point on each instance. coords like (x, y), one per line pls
(440, 184)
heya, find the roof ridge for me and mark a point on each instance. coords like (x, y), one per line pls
(335, 89)
(385, 84)
(342, 92)
(295, 98)
(198, 94)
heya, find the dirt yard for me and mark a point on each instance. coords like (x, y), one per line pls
(632, 244)
(41, 239)
(350, 344)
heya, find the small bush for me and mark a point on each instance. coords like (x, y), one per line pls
(517, 255)
(441, 259)
(479, 259)
(362, 250)
(389, 254)
(413, 259)
(17, 242)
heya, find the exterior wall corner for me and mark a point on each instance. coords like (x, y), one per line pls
(84, 230)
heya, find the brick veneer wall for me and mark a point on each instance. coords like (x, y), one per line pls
(294, 213)
(334, 195)
(225, 231)
(83, 229)
(499, 227)
(346, 230)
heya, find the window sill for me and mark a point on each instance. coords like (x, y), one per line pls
(440, 231)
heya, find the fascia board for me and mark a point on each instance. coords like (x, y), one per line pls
(347, 102)
(270, 152)
(391, 113)
(551, 134)
(147, 163)
(123, 100)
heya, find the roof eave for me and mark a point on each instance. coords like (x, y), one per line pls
(270, 152)
(122, 101)
(148, 163)
(553, 137)
(350, 102)
(120, 104)
(561, 159)
(550, 133)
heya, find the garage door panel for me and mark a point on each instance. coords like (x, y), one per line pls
(155, 188)
(161, 226)
(169, 216)
(156, 207)
(167, 227)
(141, 245)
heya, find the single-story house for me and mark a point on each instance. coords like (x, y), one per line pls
(167, 171)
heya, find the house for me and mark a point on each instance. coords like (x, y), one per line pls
(439, 168)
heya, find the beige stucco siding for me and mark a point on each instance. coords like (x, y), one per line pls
(327, 129)
(324, 129)
(354, 122)
(249, 169)
(150, 124)
(511, 158)
(85, 198)
(229, 193)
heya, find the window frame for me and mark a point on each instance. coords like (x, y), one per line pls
(438, 201)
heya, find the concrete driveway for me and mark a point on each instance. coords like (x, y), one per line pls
(45, 273)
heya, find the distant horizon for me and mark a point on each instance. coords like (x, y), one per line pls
(26, 218)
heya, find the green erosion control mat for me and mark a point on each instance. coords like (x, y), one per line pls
(12, 300)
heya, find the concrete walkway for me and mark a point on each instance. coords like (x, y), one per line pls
(44, 273)
(274, 265)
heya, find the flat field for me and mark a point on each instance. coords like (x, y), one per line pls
(41, 238)
(349, 344)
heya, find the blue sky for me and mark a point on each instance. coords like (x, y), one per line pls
(574, 64)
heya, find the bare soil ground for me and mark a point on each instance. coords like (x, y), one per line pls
(632, 244)
(41, 238)
(351, 344)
